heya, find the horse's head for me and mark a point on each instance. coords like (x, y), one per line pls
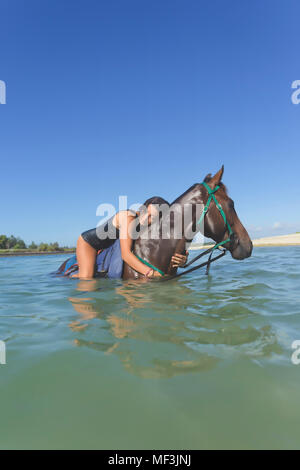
(215, 227)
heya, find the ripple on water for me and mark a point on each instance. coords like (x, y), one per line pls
(237, 308)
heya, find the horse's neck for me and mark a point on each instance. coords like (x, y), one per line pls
(192, 197)
(180, 246)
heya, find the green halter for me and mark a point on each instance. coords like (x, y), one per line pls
(211, 193)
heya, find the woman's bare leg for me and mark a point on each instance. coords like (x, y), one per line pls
(86, 258)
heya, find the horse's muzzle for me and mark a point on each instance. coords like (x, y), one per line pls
(241, 249)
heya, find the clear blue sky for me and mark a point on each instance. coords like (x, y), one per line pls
(143, 98)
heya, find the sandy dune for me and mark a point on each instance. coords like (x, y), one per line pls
(281, 240)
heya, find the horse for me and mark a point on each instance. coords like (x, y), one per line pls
(220, 223)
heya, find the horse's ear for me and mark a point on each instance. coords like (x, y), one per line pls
(216, 179)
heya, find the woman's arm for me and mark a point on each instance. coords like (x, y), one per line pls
(126, 245)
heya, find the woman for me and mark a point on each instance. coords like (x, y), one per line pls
(119, 226)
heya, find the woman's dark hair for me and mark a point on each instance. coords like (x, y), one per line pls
(155, 200)
(158, 201)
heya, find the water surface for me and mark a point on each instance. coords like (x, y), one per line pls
(195, 363)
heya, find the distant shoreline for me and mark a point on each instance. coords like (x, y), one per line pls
(36, 253)
(293, 239)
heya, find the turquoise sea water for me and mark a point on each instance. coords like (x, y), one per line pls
(197, 363)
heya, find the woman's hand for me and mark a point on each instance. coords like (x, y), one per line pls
(178, 260)
(156, 274)
(152, 273)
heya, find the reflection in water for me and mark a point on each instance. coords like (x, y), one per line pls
(166, 329)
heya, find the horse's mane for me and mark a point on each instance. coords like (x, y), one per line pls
(207, 179)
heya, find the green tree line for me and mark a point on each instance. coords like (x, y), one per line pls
(16, 243)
